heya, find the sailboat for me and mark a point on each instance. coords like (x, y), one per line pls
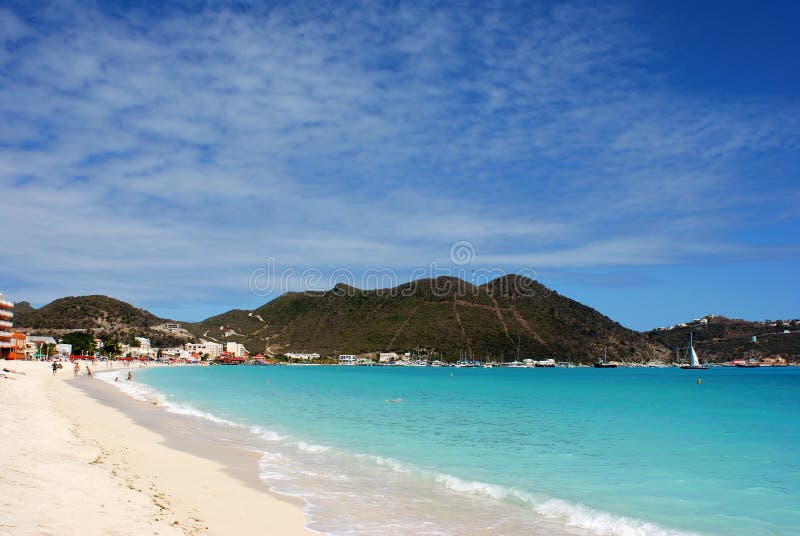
(602, 363)
(694, 363)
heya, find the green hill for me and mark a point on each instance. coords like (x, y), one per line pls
(95, 313)
(445, 315)
(722, 339)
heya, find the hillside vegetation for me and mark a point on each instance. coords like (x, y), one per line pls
(445, 315)
(725, 338)
(96, 313)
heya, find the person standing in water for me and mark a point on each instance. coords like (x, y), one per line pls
(76, 369)
(88, 371)
(130, 376)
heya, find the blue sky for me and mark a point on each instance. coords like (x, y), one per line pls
(640, 157)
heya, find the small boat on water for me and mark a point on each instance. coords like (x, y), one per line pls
(694, 363)
(603, 363)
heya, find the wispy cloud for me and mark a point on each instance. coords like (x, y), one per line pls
(151, 155)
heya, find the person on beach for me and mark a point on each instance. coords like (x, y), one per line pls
(88, 371)
(130, 376)
(76, 369)
(55, 368)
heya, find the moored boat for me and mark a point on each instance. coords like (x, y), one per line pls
(603, 363)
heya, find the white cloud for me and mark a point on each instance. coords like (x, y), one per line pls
(196, 145)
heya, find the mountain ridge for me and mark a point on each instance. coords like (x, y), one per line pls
(445, 314)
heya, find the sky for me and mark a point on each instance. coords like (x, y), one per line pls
(189, 158)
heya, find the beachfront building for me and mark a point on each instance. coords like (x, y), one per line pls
(387, 357)
(36, 346)
(19, 343)
(176, 353)
(138, 352)
(235, 349)
(213, 349)
(6, 323)
(63, 351)
(347, 359)
(144, 342)
(302, 357)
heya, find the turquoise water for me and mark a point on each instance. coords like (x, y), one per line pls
(516, 451)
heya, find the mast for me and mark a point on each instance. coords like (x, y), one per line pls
(692, 354)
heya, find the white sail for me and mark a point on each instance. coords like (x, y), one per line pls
(693, 357)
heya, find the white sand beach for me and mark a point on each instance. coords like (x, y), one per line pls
(71, 465)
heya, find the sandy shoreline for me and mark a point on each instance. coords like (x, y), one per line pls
(73, 464)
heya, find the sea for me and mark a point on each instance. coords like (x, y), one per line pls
(461, 451)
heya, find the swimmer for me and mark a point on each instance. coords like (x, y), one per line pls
(394, 400)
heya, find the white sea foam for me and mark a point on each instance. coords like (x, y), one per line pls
(145, 393)
(270, 467)
(135, 390)
(391, 463)
(271, 435)
(474, 487)
(572, 515)
(182, 409)
(310, 447)
(601, 523)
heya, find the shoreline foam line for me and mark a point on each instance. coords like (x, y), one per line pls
(574, 515)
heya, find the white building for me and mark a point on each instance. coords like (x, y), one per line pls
(144, 342)
(236, 349)
(385, 357)
(302, 357)
(64, 350)
(347, 359)
(175, 353)
(35, 343)
(213, 349)
(138, 351)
